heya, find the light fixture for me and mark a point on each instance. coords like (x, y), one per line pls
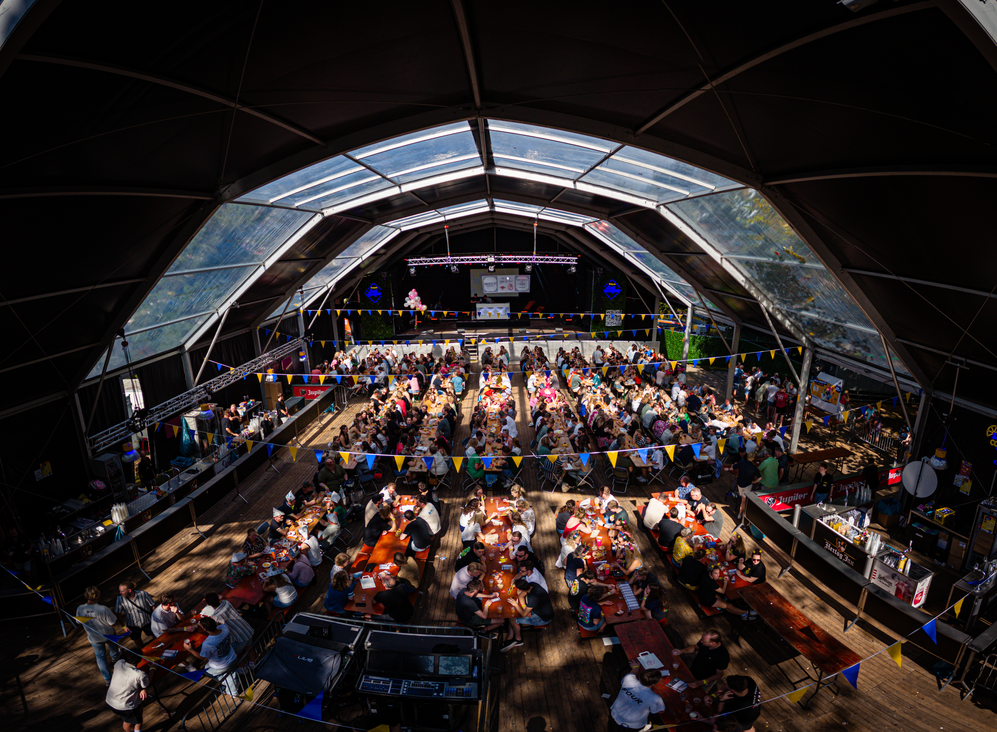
(491, 267)
(500, 260)
(572, 269)
(491, 259)
(529, 267)
(453, 268)
(411, 271)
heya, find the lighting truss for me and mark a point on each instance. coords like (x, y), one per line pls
(485, 259)
(198, 395)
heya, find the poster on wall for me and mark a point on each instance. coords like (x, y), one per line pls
(825, 393)
(614, 318)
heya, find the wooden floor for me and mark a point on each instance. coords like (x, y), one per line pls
(557, 681)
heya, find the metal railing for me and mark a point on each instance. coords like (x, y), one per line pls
(197, 395)
(222, 702)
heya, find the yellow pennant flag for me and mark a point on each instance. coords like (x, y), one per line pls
(294, 452)
(602, 316)
(249, 446)
(674, 364)
(446, 343)
(844, 417)
(445, 315)
(355, 379)
(472, 341)
(721, 444)
(908, 397)
(457, 462)
(612, 457)
(155, 427)
(176, 430)
(647, 331)
(619, 334)
(399, 461)
(640, 368)
(321, 379)
(211, 438)
(604, 370)
(711, 361)
(248, 696)
(772, 354)
(82, 618)
(391, 379)
(378, 312)
(808, 424)
(552, 458)
(800, 350)
(795, 696)
(260, 377)
(894, 652)
(323, 343)
(289, 377)
(958, 607)
(879, 406)
(517, 459)
(670, 451)
(345, 456)
(337, 312)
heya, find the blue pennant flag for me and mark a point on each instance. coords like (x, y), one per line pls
(408, 343)
(605, 334)
(740, 442)
(432, 313)
(219, 366)
(586, 371)
(547, 372)
(695, 362)
(759, 355)
(318, 455)
(728, 359)
(328, 311)
(634, 332)
(460, 341)
(894, 401)
(373, 379)
(623, 368)
(334, 344)
(827, 421)
(382, 343)
(782, 431)
(305, 377)
(47, 599)
(486, 375)
(117, 638)
(696, 449)
(487, 461)
(339, 378)
(643, 454)
(269, 449)
(429, 462)
(313, 709)
(370, 312)
(194, 675)
(584, 457)
(852, 674)
(267, 331)
(581, 410)
(929, 628)
(371, 459)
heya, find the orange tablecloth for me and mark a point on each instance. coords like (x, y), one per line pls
(383, 553)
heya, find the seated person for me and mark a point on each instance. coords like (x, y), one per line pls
(682, 547)
(692, 570)
(668, 529)
(712, 519)
(581, 585)
(395, 599)
(166, 615)
(310, 548)
(654, 602)
(427, 511)
(533, 607)
(279, 593)
(712, 592)
(531, 574)
(222, 611)
(711, 660)
(575, 563)
(615, 514)
(217, 650)
(734, 549)
(408, 571)
(474, 570)
(752, 570)
(590, 615)
(279, 526)
(254, 546)
(741, 701)
(301, 574)
(237, 569)
(339, 593)
(519, 539)
(469, 608)
(383, 521)
(417, 532)
(696, 502)
(522, 554)
(473, 553)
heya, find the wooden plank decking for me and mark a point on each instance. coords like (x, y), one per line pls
(555, 682)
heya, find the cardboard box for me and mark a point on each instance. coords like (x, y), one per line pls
(958, 548)
(887, 521)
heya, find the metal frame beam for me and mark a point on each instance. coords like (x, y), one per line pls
(711, 84)
(924, 171)
(82, 190)
(915, 281)
(594, 248)
(465, 41)
(73, 291)
(171, 84)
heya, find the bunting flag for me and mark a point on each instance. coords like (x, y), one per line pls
(852, 674)
(457, 462)
(808, 424)
(894, 401)
(604, 370)
(345, 456)
(211, 438)
(958, 607)
(721, 444)
(795, 696)
(612, 457)
(305, 377)
(670, 451)
(429, 462)
(827, 420)
(321, 379)
(674, 364)
(249, 446)
(355, 380)
(772, 354)
(339, 378)
(844, 417)
(294, 452)
(518, 460)
(313, 709)
(800, 350)
(711, 361)
(269, 449)
(552, 458)
(117, 638)
(696, 449)
(248, 696)
(371, 459)
(318, 456)
(782, 431)
(929, 628)
(194, 675)
(487, 461)
(289, 377)
(879, 406)
(176, 429)
(643, 455)
(399, 461)
(894, 652)
(82, 618)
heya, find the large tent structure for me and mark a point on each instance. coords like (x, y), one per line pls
(819, 168)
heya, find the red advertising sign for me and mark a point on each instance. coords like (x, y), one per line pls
(310, 392)
(800, 493)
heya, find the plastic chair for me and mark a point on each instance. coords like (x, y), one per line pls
(620, 475)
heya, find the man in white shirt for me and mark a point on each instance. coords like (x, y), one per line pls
(388, 493)
(597, 356)
(529, 572)
(166, 615)
(636, 701)
(101, 624)
(314, 551)
(654, 511)
(427, 511)
(126, 692)
(659, 377)
(510, 424)
(217, 650)
(676, 388)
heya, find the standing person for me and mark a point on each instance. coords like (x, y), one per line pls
(747, 477)
(134, 610)
(822, 485)
(102, 624)
(127, 691)
(636, 702)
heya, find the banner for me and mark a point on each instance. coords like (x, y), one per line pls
(825, 393)
(310, 392)
(799, 494)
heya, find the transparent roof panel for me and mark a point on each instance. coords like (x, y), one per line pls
(673, 172)
(428, 153)
(182, 295)
(324, 172)
(147, 344)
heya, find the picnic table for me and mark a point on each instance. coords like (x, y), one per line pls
(833, 454)
(381, 559)
(601, 551)
(827, 656)
(647, 637)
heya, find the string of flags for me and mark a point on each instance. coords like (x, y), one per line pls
(313, 710)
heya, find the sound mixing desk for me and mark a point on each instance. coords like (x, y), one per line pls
(418, 689)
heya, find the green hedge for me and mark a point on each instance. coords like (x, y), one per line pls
(376, 327)
(700, 347)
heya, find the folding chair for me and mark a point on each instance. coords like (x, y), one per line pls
(263, 529)
(550, 473)
(620, 475)
(366, 478)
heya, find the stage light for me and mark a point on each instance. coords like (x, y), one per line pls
(491, 267)
(453, 268)
(529, 268)
(572, 269)
(411, 271)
